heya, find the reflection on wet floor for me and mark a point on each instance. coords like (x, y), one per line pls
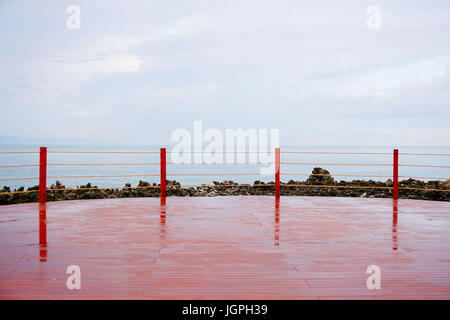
(394, 226)
(162, 221)
(276, 237)
(42, 232)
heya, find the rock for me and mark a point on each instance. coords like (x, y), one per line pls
(320, 176)
(89, 185)
(57, 185)
(143, 184)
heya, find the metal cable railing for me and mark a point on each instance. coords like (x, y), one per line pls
(338, 164)
(163, 174)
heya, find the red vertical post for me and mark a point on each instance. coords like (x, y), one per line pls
(163, 174)
(43, 175)
(277, 173)
(395, 176)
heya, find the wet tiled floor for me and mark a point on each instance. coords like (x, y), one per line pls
(243, 247)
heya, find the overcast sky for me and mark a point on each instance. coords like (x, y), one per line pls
(137, 70)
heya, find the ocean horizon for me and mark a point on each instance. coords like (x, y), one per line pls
(225, 171)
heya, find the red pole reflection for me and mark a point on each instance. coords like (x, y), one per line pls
(277, 223)
(43, 232)
(162, 220)
(394, 226)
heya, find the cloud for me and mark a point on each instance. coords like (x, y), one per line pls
(418, 73)
(312, 70)
(107, 65)
(409, 90)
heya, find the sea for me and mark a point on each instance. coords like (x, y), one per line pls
(195, 174)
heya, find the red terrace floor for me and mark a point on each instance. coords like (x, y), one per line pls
(226, 248)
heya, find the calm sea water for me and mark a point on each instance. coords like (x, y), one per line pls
(335, 170)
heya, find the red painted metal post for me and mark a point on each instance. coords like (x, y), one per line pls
(163, 174)
(43, 175)
(395, 180)
(277, 173)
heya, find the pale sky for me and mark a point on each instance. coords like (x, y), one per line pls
(137, 70)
